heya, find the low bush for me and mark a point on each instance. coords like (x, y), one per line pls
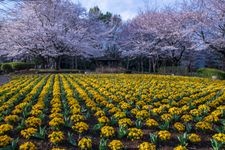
(110, 70)
(22, 66)
(15, 66)
(47, 71)
(209, 72)
(6, 67)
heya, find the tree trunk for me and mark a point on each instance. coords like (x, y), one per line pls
(76, 64)
(57, 62)
(85, 65)
(72, 65)
(128, 63)
(149, 63)
(139, 64)
(175, 62)
(47, 63)
(189, 66)
(154, 67)
(154, 64)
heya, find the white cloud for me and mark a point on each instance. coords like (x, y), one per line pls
(126, 15)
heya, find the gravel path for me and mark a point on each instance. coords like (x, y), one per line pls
(3, 79)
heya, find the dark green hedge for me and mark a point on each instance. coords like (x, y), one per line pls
(43, 71)
(16, 66)
(209, 72)
(6, 67)
(22, 66)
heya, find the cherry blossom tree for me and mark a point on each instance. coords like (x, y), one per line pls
(159, 35)
(49, 29)
(209, 19)
(214, 37)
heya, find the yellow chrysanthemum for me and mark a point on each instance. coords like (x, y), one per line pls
(116, 145)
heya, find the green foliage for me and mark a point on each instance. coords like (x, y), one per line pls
(105, 17)
(15, 66)
(97, 13)
(6, 67)
(165, 125)
(209, 72)
(122, 132)
(103, 144)
(216, 145)
(42, 71)
(188, 127)
(138, 124)
(97, 127)
(153, 138)
(22, 65)
(71, 139)
(183, 139)
(41, 133)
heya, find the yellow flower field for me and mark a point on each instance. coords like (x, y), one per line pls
(67, 111)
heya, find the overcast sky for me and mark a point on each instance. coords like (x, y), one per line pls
(126, 8)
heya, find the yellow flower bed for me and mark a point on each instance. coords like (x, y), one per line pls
(220, 137)
(85, 143)
(56, 137)
(76, 111)
(107, 131)
(5, 140)
(33, 122)
(164, 135)
(116, 145)
(180, 147)
(27, 133)
(27, 146)
(151, 123)
(80, 127)
(5, 127)
(194, 138)
(135, 134)
(147, 146)
(179, 126)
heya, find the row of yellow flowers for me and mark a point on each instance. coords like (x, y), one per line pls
(124, 107)
(185, 112)
(56, 118)
(10, 117)
(13, 86)
(34, 122)
(23, 89)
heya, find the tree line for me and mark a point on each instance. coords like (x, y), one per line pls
(46, 31)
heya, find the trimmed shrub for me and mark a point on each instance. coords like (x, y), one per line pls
(22, 66)
(110, 70)
(43, 71)
(209, 72)
(6, 67)
(177, 70)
